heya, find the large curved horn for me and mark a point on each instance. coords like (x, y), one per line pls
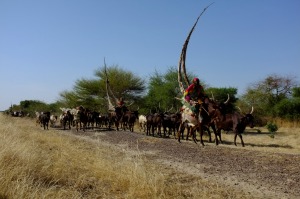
(181, 64)
(227, 99)
(110, 105)
(252, 109)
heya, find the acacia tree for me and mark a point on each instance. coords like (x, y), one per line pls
(289, 108)
(91, 93)
(266, 94)
(296, 92)
(277, 87)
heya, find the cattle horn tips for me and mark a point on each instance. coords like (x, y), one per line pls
(239, 109)
(227, 99)
(252, 109)
(212, 96)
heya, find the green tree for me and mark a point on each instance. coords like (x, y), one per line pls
(255, 98)
(264, 95)
(275, 88)
(91, 93)
(31, 106)
(296, 92)
(289, 108)
(163, 89)
(85, 92)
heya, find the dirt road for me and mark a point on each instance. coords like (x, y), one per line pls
(260, 174)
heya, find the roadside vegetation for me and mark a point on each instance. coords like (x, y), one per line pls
(53, 164)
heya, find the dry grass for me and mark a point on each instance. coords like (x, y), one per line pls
(285, 140)
(51, 164)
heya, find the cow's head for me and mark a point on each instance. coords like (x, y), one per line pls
(249, 119)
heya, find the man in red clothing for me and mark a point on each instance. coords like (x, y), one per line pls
(121, 102)
(121, 105)
(195, 91)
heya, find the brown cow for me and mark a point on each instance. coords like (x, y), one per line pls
(154, 123)
(44, 119)
(128, 119)
(235, 122)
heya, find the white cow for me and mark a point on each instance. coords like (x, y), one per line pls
(53, 119)
(37, 118)
(73, 111)
(142, 122)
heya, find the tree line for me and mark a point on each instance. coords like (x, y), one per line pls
(275, 96)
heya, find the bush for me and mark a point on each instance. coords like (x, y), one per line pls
(272, 128)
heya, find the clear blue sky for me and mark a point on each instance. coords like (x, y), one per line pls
(46, 45)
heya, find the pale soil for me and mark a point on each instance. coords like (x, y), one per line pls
(259, 174)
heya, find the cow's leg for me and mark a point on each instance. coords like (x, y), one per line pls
(208, 133)
(236, 133)
(84, 126)
(193, 133)
(78, 125)
(201, 134)
(188, 132)
(117, 125)
(242, 141)
(216, 136)
(159, 130)
(147, 130)
(109, 125)
(152, 129)
(180, 131)
(220, 135)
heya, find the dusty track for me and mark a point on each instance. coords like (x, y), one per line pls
(258, 174)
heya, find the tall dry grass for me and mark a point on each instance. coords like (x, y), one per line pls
(284, 140)
(35, 163)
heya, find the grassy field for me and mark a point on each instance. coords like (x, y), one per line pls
(285, 140)
(52, 164)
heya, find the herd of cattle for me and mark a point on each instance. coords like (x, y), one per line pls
(213, 116)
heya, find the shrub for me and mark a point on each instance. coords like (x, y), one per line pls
(272, 128)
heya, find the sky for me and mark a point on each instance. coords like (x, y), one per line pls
(46, 45)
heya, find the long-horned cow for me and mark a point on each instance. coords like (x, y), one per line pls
(236, 122)
(188, 117)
